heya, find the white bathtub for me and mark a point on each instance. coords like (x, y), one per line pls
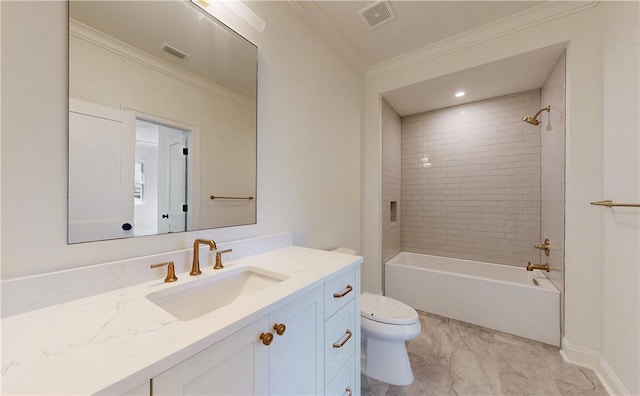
(501, 297)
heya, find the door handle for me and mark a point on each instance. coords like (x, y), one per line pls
(165, 216)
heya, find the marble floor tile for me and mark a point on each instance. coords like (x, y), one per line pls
(451, 357)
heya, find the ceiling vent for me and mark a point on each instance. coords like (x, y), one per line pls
(377, 14)
(174, 51)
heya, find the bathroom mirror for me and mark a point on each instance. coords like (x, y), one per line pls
(162, 121)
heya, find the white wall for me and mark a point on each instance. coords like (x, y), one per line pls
(308, 143)
(552, 164)
(391, 181)
(621, 144)
(590, 301)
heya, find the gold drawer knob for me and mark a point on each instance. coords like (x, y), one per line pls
(349, 391)
(266, 338)
(343, 293)
(341, 344)
(279, 328)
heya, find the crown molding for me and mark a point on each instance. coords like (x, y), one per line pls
(535, 16)
(99, 39)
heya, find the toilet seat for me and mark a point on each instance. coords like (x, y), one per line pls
(386, 310)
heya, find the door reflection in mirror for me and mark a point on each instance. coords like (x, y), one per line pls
(162, 174)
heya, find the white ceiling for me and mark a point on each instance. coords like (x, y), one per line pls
(419, 24)
(516, 74)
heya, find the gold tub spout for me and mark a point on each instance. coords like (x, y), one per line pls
(195, 267)
(531, 267)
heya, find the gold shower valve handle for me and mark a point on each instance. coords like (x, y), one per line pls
(546, 246)
(279, 328)
(267, 338)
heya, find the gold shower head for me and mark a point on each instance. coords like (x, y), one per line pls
(533, 120)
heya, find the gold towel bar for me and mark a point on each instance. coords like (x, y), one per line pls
(609, 203)
(217, 197)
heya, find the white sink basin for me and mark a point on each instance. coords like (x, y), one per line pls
(194, 299)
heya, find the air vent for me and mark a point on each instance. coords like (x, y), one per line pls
(377, 14)
(174, 51)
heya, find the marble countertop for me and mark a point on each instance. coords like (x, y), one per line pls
(111, 342)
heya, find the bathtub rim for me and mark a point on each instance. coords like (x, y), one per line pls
(536, 274)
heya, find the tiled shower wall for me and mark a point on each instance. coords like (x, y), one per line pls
(471, 181)
(391, 178)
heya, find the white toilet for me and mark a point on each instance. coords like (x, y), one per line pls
(386, 325)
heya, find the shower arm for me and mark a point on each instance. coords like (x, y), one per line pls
(548, 108)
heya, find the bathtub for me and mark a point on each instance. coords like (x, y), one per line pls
(500, 297)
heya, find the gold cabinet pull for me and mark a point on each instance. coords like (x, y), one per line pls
(347, 338)
(349, 391)
(279, 328)
(344, 292)
(266, 338)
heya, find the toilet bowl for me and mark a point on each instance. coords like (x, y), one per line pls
(386, 324)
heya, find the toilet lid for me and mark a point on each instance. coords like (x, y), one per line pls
(386, 310)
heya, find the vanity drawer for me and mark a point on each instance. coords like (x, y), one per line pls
(344, 383)
(339, 291)
(340, 339)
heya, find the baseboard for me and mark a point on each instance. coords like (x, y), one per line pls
(592, 360)
(609, 380)
(580, 356)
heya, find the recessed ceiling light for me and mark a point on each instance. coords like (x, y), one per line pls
(459, 94)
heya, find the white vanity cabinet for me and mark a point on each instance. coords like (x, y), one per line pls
(296, 357)
(243, 363)
(237, 365)
(298, 336)
(342, 333)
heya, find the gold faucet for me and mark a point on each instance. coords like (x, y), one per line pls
(531, 267)
(171, 271)
(219, 258)
(195, 267)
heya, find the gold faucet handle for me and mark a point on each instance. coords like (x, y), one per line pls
(219, 254)
(546, 246)
(171, 271)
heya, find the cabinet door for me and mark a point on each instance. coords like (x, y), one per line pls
(237, 365)
(296, 358)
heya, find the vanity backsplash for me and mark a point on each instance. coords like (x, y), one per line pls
(34, 292)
